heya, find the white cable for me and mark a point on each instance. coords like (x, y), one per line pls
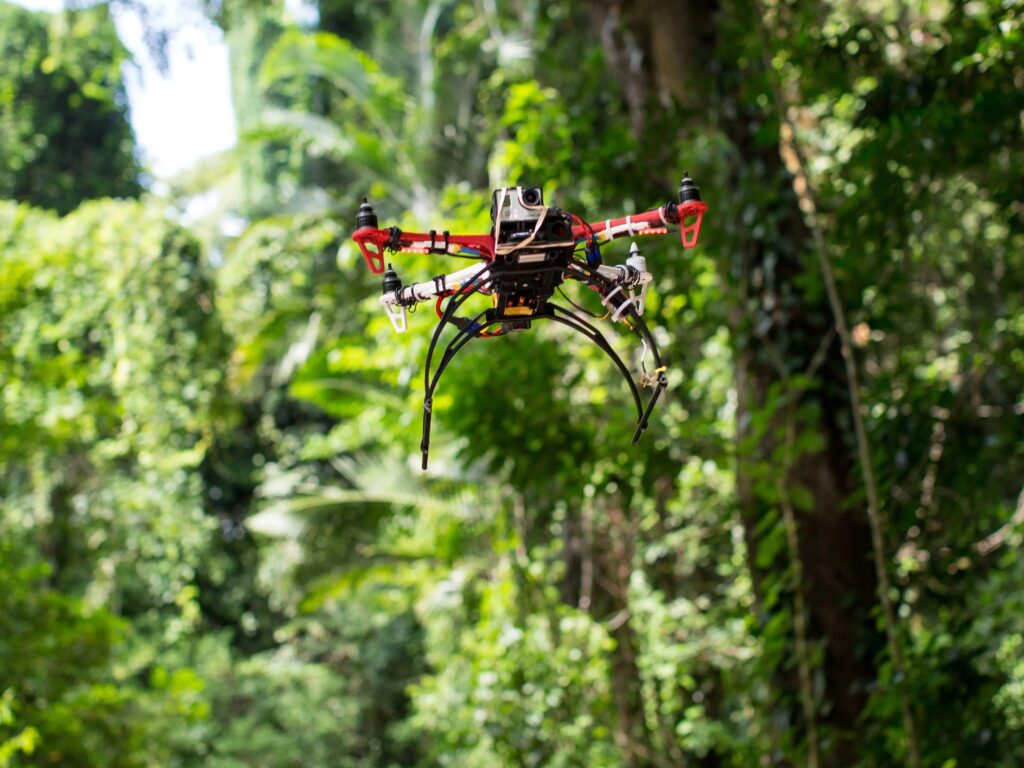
(617, 315)
(429, 289)
(633, 228)
(607, 299)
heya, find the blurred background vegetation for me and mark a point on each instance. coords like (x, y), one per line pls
(216, 547)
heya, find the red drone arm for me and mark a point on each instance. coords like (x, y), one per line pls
(688, 216)
(373, 242)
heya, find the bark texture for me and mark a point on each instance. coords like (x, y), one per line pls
(777, 331)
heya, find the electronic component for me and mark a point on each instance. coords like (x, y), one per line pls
(531, 250)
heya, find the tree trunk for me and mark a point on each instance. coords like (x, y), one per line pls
(777, 330)
(612, 547)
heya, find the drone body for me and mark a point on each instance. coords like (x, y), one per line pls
(531, 250)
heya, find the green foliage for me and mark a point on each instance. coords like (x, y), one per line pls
(508, 689)
(271, 710)
(64, 132)
(108, 350)
(24, 742)
(111, 352)
(72, 702)
(216, 546)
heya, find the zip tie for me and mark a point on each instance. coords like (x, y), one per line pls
(622, 309)
(618, 313)
(607, 299)
(649, 380)
(433, 242)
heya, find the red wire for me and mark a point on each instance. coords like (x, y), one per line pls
(437, 306)
(449, 294)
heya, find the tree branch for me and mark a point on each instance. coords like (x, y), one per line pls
(996, 539)
(804, 188)
(803, 656)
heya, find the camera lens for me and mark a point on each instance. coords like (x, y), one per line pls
(532, 196)
(560, 230)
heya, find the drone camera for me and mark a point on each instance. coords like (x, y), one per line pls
(514, 205)
(532, 196)
(516, 214)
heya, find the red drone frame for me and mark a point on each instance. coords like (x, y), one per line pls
(531, 250)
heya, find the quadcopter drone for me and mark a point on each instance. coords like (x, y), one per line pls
(530, 251)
